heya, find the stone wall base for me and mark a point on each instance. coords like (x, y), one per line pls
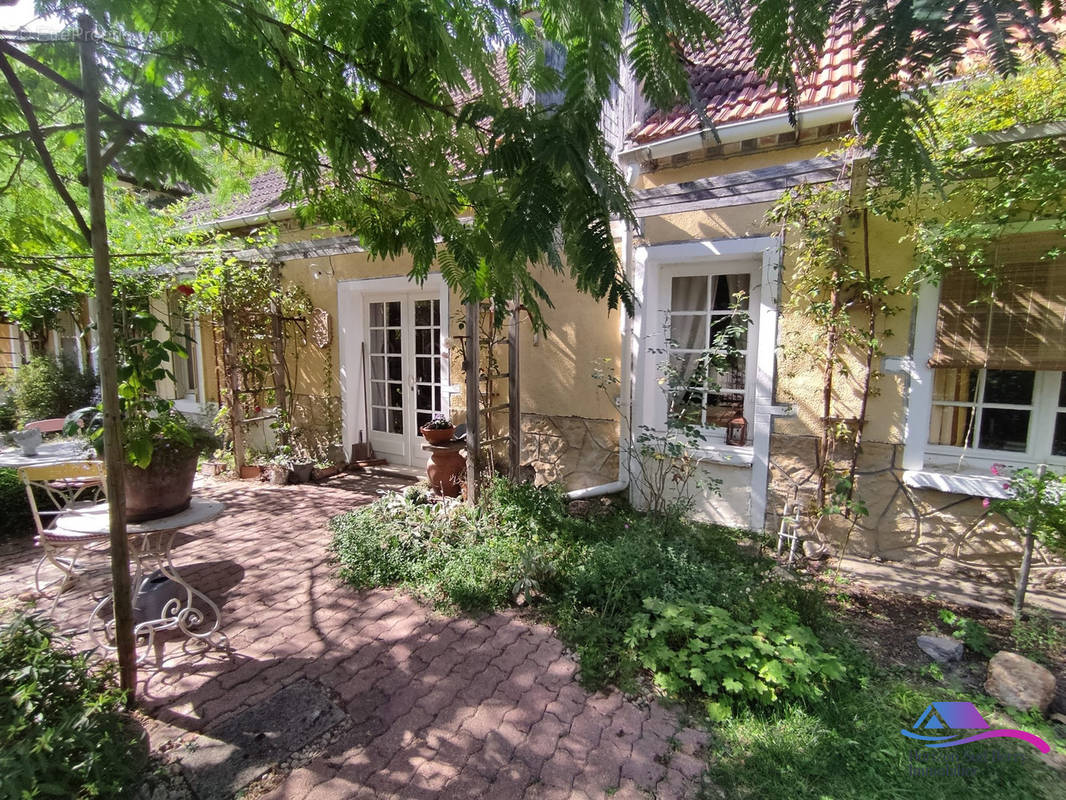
(922, 527)
(576, 452)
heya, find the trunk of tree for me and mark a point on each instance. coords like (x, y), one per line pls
(1027, 559)
(114, 458)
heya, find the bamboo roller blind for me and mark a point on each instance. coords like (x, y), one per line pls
(1023, 325)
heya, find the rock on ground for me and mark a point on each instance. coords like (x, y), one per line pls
(1016, 681)
(941, 649)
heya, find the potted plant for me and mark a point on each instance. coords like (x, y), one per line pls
(438, 430)
(300, 463)
(162, 446)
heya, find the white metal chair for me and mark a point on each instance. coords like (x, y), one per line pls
(52, 489)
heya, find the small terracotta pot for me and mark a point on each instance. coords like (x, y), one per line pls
(250, 471)
(440, 436)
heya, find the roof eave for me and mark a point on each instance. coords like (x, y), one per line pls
(774, 124)
(244, 220)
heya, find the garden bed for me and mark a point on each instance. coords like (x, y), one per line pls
(804, 683)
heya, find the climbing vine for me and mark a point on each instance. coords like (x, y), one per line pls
(991, 186)
(835, 285)
(255, 318)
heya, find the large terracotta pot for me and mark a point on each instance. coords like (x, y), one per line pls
(446, 469)
(162, 488)
(438, 436)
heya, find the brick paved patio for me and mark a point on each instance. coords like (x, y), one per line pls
(436, 707)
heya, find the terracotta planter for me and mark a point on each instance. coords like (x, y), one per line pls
(251, 471)
(326, 472)
(438, 436)
(164, 487)
(446, 469)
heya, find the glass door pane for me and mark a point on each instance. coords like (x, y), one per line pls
(427, 374)
(386, 367)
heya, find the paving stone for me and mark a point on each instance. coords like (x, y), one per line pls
(432, 707)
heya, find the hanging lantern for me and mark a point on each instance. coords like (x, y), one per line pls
(736, 431)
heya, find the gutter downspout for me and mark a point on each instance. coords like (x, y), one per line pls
(625, 399)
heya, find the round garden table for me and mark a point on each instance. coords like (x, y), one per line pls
(182, 607)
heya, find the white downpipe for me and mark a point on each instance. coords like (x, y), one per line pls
(740, 131)
(598, 491)
(625, 394)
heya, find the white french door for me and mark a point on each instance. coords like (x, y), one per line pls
(404, 386)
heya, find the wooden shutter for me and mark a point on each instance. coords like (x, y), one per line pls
(1020, 324)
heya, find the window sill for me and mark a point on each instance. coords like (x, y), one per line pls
(955, 483)
(725, 455)
(188, 406)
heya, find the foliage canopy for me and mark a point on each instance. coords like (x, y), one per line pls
(410, 122)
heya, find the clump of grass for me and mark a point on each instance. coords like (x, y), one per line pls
(849, 747)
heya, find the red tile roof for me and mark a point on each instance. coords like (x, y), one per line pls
(263, 195)
(723, 77)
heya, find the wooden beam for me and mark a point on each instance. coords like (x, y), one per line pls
(1021, 133)
(514, 417)
(473, 401)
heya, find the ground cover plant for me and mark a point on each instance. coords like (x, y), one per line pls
(61, 730)
(697, 613)
(15, 516)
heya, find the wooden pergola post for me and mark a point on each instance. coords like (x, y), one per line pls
(514, 406)
(473, 401)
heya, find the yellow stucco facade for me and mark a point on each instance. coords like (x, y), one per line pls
(571, 429)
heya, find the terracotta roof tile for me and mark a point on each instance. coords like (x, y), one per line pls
(264, 194)
(724, 78)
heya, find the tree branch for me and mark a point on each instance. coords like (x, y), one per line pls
(42, 149)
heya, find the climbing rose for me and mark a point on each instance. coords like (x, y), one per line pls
(185, 289)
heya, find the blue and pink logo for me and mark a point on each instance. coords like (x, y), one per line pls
(961, 715)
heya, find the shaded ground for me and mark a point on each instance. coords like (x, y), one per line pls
(886, 625)
(432, 706)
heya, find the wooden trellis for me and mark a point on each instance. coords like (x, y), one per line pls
(482, 401)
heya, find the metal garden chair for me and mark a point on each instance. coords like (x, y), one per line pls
(52, 489)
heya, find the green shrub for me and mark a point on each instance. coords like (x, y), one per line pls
(970, 632)
(45, 388)
(61, 730)
(1039, 636)
(707, 652)
(8, 413)
(15, 516)
(591, 576)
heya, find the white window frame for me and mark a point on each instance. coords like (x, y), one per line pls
(957, 469)
(714, 435)
(654, 267)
